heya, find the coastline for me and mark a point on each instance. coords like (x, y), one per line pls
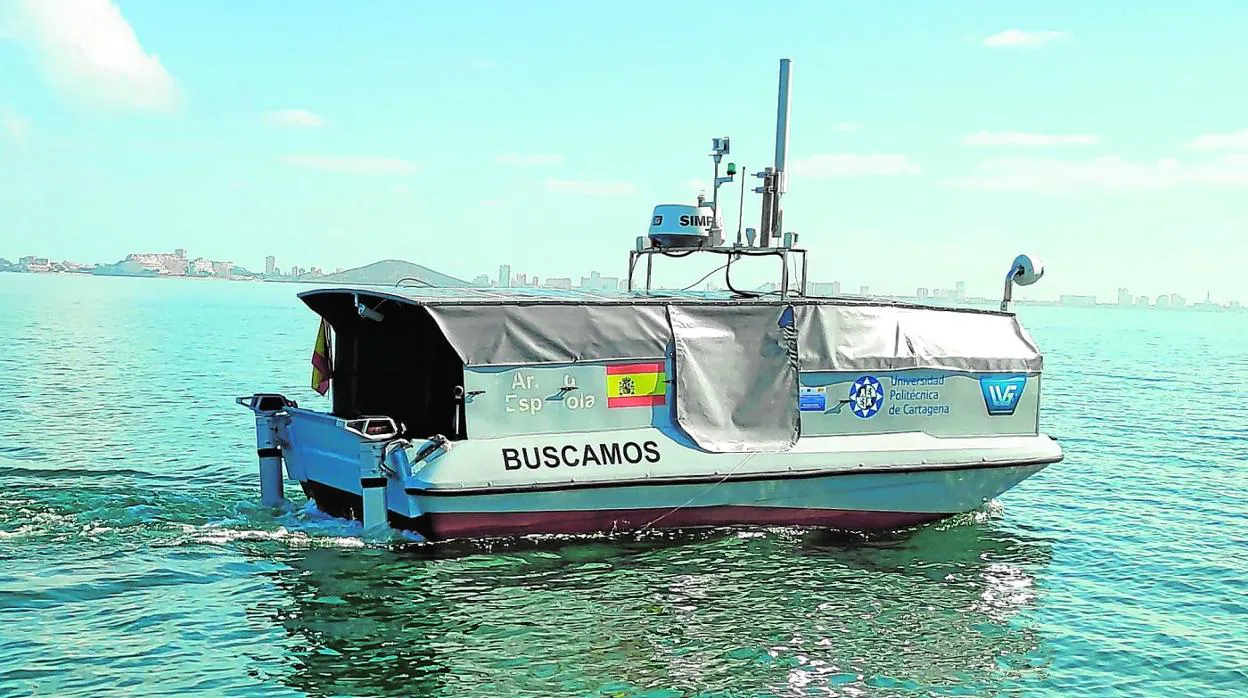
(972, 302)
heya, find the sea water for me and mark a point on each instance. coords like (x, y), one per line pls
(134, 559)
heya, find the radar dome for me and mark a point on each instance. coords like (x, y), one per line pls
(680, 226)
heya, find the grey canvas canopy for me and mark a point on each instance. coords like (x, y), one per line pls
(736, 360)
(539, 326)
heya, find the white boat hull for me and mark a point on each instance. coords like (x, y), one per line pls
(859, 482)
(859, 502)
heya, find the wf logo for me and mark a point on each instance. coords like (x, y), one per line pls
(1001, 394)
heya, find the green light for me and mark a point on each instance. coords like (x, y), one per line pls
(732, 168)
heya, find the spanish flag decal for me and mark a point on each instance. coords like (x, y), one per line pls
(636, 385)
(322, 360)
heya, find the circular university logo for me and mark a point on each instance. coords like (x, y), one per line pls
(866, 397)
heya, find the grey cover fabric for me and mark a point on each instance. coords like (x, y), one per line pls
(882, 338)
(736, 361)
(542, 334)
(736, 376)
(832, 334)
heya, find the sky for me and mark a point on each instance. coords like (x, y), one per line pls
(929, 142)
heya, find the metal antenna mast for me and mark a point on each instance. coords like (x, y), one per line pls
(775, 180)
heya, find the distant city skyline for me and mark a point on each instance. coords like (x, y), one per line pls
(178, 263)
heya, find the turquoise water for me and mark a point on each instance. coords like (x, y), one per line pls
(134, 560)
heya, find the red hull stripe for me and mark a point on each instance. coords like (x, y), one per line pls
(654, 367)
(488, 524)
(636, 401)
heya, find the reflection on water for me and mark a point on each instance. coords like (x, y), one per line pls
(798, 612)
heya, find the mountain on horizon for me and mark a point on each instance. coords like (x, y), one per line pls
(388, 272)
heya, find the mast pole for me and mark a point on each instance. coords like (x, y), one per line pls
(741, 208)
(776, 227)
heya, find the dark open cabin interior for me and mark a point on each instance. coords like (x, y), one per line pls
(400, 367)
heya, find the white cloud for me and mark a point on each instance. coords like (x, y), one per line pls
(589, 188)
(1237, 140)
(531, 159)
(1018, 37)
(14, 125)
(294, 118)
(352, 164)
(90, 51)
(855, 165)
(994, 138)
(1108, 173)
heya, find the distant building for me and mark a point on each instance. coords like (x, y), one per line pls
(180, 252)
(199, 267)
(921, 293)
(504, 276)
(1177, 301)
(482, 280)
(593, 282)
(35, 264)
(864, 291)
(558, 282)
(836, 288)
(1077, 301)
(1142, 302)
(1163, 301)
(161, 263)
(1207, 305)
(1124, 297)
(960, 290)
(598, 282)
(824, 289)
(270, 265)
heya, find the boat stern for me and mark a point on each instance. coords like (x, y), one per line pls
(351, 468)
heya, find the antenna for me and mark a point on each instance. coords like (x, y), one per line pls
(782, 147)
(741, 211)
(775, 180)
(719, 148)
(678, 230)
